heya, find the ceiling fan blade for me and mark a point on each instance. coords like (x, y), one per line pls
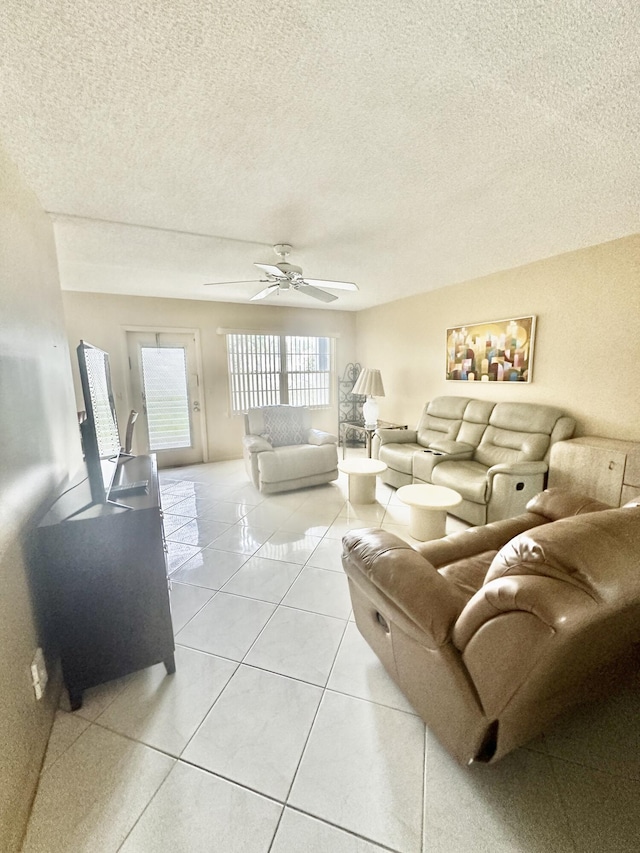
(262, 293)
(270, 269)
(251, 281)
(316, 292)
(336, 285)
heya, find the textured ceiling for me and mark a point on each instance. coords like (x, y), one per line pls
(402, 145)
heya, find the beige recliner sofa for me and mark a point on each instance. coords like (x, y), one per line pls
(495, 455)
(494, 631)
(282, 451)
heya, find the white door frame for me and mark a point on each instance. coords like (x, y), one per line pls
(199, 423)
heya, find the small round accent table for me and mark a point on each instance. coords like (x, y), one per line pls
(362, 478)
(429, 505)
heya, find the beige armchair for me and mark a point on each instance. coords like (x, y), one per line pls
(494, 631)
(282, 451)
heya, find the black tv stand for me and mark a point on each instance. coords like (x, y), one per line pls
(105, 574)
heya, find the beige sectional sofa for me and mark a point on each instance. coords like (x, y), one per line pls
(495, 455)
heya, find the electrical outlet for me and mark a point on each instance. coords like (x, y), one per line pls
(39, 676)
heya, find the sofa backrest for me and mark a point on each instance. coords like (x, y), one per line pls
(280, 425)
(519, 432)
(475, 421)
(441, 419)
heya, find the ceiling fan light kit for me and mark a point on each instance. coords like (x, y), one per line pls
(285, 276)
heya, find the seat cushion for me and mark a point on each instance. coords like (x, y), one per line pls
(468, 574)
(399, 457)
(297, 461)
(466, 477)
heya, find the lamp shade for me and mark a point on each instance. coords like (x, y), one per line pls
(369, 383)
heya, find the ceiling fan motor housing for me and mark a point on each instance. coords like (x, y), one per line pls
(286, 268)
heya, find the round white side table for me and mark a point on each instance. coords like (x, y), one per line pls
(362, 478)
(429, 505)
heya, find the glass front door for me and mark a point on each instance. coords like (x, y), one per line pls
(165, 388)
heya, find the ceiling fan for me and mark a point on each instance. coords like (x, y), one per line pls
(284, 276)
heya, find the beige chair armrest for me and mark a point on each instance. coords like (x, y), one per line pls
(519, 621)
(405, 579)
(256, 443)
(318, 437)
(552, 601)
(558, 503)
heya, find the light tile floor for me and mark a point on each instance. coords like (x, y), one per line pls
(280, 732)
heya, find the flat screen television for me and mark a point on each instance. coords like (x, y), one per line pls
(100, 436)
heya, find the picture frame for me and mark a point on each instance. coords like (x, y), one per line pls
(492, 351)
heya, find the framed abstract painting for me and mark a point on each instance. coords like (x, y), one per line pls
(496, 351)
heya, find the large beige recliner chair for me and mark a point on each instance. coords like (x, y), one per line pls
(282, 451)
(492, 632)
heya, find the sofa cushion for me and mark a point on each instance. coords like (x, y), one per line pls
(475, 421)
(441, 419)
(400, 456)
(284, 425)
(466, 477)
(525, 417)
(509, 446)
(469, 572)
(295, 462)
(320, 437)
(431, 429)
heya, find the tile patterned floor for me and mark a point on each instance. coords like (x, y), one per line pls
(281, 733)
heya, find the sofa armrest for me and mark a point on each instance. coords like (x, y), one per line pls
(396, 436)
(319, 437)
(256, 443)
(517, 469)
(559, 503)
(404, 578)
(522, 621)
(551, 600)
(453, 449)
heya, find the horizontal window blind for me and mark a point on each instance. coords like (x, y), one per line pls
(308, 371)
(254, 370)
(268, 370)
(166, 399)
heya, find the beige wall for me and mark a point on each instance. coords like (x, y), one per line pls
(587, 346)
(102, 320)
(40, 445)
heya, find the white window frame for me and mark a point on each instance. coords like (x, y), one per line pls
(259, 375)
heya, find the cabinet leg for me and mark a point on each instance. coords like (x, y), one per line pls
(75, 698)
(170, 664)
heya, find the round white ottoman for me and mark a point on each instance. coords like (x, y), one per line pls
(429, 505)
(362, 478)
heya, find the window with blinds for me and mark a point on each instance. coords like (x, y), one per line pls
(267, 370)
